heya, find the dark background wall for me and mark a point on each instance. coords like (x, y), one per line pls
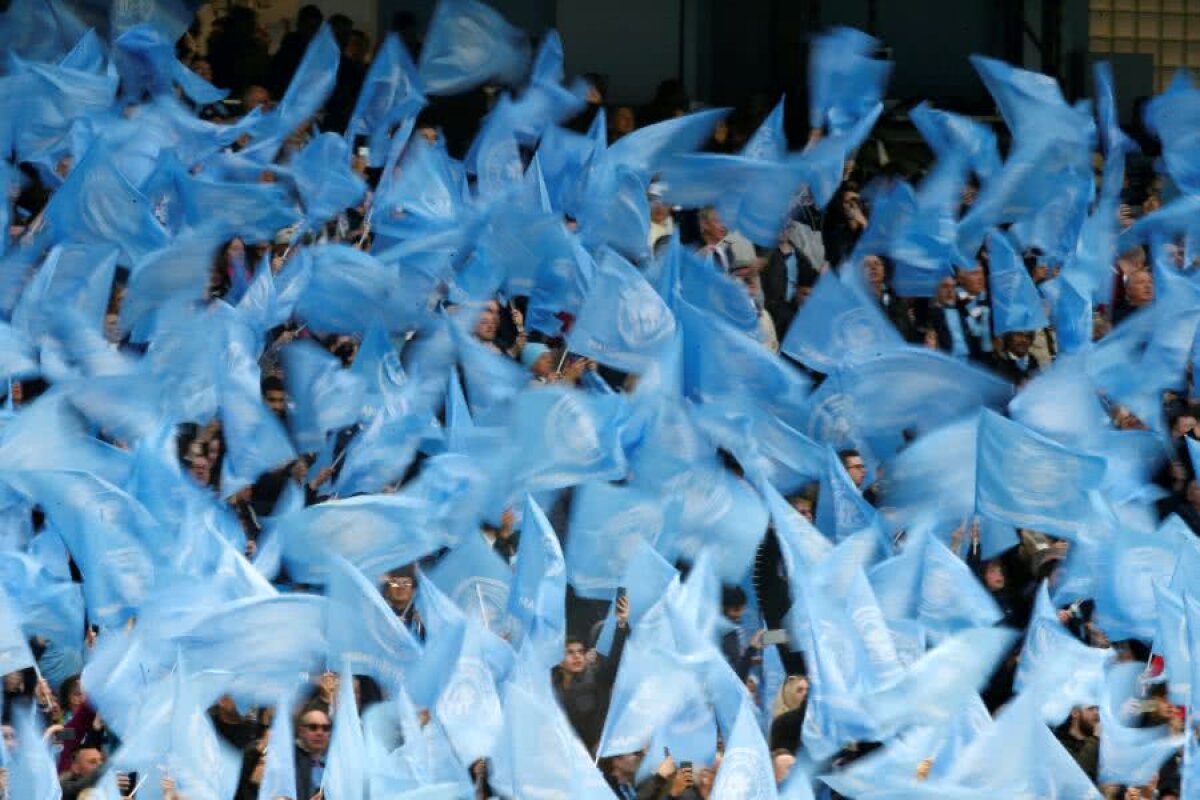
(729, 51)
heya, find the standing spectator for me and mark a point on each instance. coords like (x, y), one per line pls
(584, 689)
(292, 48)
(312, 741)
(238, 56)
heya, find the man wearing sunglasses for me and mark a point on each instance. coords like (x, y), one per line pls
(312, 740)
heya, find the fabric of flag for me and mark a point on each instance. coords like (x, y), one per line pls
(469, 43)
(1016, 304)
(837, 325)
(844, 80)
(1029, 481)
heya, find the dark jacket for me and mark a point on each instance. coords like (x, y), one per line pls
(775, 286)
(936, 321)
(1004, 365)
(586, 697)
(304, 782)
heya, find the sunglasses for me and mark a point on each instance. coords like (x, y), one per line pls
(317, 726)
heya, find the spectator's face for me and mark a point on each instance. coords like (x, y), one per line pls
(873, 267)
(86, 761)
(626, 765)
(398, 591)
(795, 691)
(276, 400)
(1140, 289)
(993, 576)
(10, 738)
(972, 280)
(314, 731)
(659, 212)
(856, 469)
(256, 97)
(489, 320)
(804, 507)
(734, 613)
(945, 292)
(623, 121)
(574, 659)
(75, 697)
(543, 367)
(1019, 343)
(1089, 719)
(712, 229)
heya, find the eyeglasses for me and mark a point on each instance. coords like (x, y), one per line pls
(400, 583)
(317, 726)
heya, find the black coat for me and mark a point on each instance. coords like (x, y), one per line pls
(585, 699)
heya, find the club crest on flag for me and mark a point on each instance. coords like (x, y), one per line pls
(741, 775)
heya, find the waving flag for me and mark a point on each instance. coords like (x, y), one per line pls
(1016, 304)
(845, 82)
(622, 322)
(1029, 481)
(312, 83)
(362, 629)
(746, 772)
(650, 689)
(538, 596)
(841, 509)
(567, 436)
(391, 92)
(324, 180)
(469, 43)
(345, 775)
(946, 132)
(606, 520)
(837, 325)
(325, 396)
(1172, 116)
(1131, 755)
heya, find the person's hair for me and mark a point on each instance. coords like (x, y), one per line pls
(570, 640)
(272, 383)
(780, 705)
(849, 452)
(733, 597)
(65, 689)
(310, 13)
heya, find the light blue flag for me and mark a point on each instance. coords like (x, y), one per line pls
(1171, 642)
(311, 85)
(567, 436)
(374, 532)
(1112, 138)
(494, 158)
(651, 687)
(50, 99)
(803, 546)
(841, 509)
(646, 149)
(1032, 104)
(1171, 116)
(1130, 755)
(17, 357)
(1061, 403)
(838, 325)
(721, 361)
(348, 291)
(1052, 493)
(96, 204)
(746, 772)
(1016, 304)
(934, 474)
(492, 381)
(537, 599)
(468, 706)
(623, 323)
(323, 178)
(845, 82)
(1058, 670)
(345, 775)
(703, 285)
(201, 764)
(476, 580)
(40, 30)
(952, 598)
(469, 43)
(868, 620)
(935, 688)
(178, 274)
(840, 671)
(381, 453)
(100, 526)
(606, 521)
(647, 579)
(1128, 566)
(718, 510)
(909, 390)
(946, 132)
(426, 197)
(146, 61)
(1018, 755)
(75, 277)
(325, 396)
(51, 605)
(690, 735)
(1088, 267)
(255, 439)
(31, 773)
(561, 280)
(14, 648)
(362, 630)
(255, 212)
(615, 210)
(859, 551)
(390, 93)
(279, 774)
(923, 244)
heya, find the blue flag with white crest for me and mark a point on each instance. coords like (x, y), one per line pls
(647, 579)
(651, 686)
(566, 436)
(1172, 116)
(606, 520)
(952, 598)
(1128, 754)
(841, 509)
(325, 396)
(622, 322)
(1128, 566)
(391, 92)
(362, 630)
(345, 774)
(837, 325)
(1051, 492)
(746, 772)
(537, 599)
(469, 43)
(946, 132)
